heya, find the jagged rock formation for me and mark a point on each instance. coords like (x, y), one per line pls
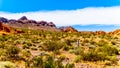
(23, 18)
(24, 22)
(68, 29)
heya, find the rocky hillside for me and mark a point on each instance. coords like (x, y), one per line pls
(24, 22)
(117, 32)
(5, 29)
(68, 29)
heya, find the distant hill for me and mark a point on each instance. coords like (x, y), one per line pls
(96, 27)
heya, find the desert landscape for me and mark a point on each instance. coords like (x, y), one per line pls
(59, 33)
(28, 43)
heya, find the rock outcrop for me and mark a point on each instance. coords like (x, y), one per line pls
(68, 29)
(115, 32)
(5, 29)
(100, 32)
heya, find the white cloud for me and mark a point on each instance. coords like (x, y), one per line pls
(91, 15)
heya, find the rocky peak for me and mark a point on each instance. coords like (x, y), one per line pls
(23, 18)
(51, 24)
(2, 19)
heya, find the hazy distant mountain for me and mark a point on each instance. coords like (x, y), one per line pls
(96, 27)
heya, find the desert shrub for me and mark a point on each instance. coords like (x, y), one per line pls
(12, 51)
(71, 51)
(47, 61)
(50, 62)
(77, 59)
(68, 42)
(108, 63)
(113, 59)
(66, 47)
(79, 51)
(2, 45)
(25, 53)
(108, 49)
(2, 52)
(3, 38)
(113, 42)
(93, 56)
(33, 48)
(93, 42)
(115, 37)
(86, 41)
(52, 45)
(7, 64)
(68, 65)
(62, 57)
(38, 62)
(102, 43)
(25, 46)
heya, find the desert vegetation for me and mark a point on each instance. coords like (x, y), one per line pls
(48, 49)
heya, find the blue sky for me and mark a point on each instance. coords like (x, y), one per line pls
(64, 12)
(16, 6)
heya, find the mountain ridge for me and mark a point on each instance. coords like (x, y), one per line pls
(24, 22)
